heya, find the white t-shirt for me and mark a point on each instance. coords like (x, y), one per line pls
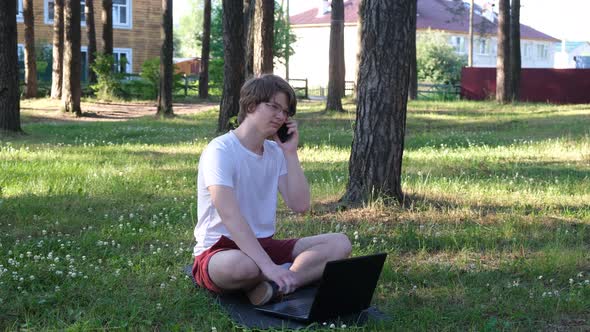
(254, 179)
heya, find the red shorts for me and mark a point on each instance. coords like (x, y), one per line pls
(279, 251)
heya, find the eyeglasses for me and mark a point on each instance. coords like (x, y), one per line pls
(276, 108)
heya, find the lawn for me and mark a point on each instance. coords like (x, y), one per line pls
(96, 219)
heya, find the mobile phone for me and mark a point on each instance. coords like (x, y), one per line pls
(282, 133)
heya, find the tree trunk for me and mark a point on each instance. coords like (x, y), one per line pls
(263, 36)
(166, 65)
(72, 64)
(503, 68)
(357, 62)
(91, 33)
(413, 87)
(233, 66)
(58, 49)
(287, 40)
(470, 51)
(249, 26)
(336, 68)
(9, 92)
(377, 149)
(205, 50)
(30, 58)
(515, 60)
(107, 26)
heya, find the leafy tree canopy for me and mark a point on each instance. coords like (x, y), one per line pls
(437, 60)
(187, 34)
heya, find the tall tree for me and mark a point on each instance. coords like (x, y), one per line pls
(413, 87)
(503, 88)
(72, 58)
(287, 39)
(166, 65)
(263, 36)
(515, 60)
(9, 99)
(377, 149)
(233, 66)
(30, 58)
(58, 49)
(249, 27)
(470, 51)
(91, 34)
(107, 26)
(205, 50)
(188, 29)
(336, 67)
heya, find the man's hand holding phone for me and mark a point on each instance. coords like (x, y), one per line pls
(287, 136)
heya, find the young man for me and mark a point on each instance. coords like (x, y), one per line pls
(240, 175)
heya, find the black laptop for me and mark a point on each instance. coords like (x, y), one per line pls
(346, 288)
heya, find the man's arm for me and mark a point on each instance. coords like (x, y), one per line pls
(226, 204)
(293, 186)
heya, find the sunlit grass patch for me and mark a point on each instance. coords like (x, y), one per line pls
(96, 218)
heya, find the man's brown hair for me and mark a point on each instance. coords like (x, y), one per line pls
(260, 90)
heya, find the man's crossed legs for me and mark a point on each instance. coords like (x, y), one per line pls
(233, 269)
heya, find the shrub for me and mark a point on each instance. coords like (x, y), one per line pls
(436, 60)
(146, 86)
(108, 82)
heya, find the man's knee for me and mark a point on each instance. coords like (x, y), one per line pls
(341, 244)
(245, 269)
(233, 267)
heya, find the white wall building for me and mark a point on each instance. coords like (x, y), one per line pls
(312, 28)
(567, 51)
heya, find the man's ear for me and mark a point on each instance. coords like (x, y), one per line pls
(251, 108)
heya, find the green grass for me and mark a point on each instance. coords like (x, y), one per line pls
(96, 219)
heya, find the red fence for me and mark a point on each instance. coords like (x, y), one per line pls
(560, 86)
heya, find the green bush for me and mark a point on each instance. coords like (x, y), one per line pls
(147, 85)
(436, 60)
(108, 82)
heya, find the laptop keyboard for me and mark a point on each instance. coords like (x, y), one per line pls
(294, 307)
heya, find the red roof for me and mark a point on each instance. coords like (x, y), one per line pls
(434, 14)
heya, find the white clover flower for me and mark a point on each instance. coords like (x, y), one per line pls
(571, 281)
(332, 326)
(540, 277)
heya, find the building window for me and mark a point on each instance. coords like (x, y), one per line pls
(484, 47)
(122, 13)
(527, 50)
(542, 51)
(123, 60)
(19, 11)
(50, 12)
(458, 44)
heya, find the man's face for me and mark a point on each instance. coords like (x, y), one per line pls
(270, 116)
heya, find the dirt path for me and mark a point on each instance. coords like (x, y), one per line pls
(47, 110)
